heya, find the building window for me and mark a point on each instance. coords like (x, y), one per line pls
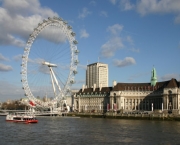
(115, 98)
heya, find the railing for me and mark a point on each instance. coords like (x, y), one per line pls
(5, 112)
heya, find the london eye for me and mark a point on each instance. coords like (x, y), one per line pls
(49, 63)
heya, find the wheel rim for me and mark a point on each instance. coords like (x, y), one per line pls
(51, 46)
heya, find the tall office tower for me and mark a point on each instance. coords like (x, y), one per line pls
(97, 73)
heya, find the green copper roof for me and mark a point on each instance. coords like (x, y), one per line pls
(153, 77)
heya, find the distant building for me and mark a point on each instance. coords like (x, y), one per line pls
(9, 101)
(97, 75)
(162, 96)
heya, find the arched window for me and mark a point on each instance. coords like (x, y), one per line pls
(115, 98)
(170, 104)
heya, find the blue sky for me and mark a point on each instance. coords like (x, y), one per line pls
(131, 36)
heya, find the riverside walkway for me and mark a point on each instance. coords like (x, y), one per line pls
(107, 115)
(112, 115)
(37, 113)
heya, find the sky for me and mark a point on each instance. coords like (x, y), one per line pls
(131, 36)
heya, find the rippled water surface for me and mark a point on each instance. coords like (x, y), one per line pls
(83, 131)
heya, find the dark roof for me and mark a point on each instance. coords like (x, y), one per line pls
(97, 90)
(129, 86)
(172, 83)
(95, 63)
(159, 85)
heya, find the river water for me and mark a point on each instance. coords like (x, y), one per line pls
(93, 131)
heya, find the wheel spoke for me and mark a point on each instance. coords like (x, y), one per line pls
(48, 62)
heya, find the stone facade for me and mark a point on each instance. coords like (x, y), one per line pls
(130, 97)
(93, 97)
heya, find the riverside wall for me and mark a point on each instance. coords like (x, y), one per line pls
(153, 116)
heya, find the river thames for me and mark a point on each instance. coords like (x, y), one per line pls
(83, 131)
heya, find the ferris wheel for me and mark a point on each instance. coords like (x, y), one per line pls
(49, 62)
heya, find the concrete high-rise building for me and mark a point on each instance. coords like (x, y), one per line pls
(97, 75)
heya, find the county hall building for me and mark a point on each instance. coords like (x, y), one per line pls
(164, 96)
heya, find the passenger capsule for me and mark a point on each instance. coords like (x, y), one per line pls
(75, 42)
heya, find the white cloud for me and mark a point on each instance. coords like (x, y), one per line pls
(43, 69)
(134, 49)
(104, 14)
(38, 63)
(53, 34)
(3, 58)
(145, 7)
(83, 34)
(82, 66)
(93, 3)
(36, 60)
(158, 6)
(113, 1)
(170, 76)
(19, 18)
(115, 29)
(114, 43)
(177, 19)
(130, 40)
(64, 66)
(126, 62)
(111, 46)
(126, 5)
(11, 40)
(5, 68)
(26, 8)
(84, 13)
(15, 93)
(18, 57)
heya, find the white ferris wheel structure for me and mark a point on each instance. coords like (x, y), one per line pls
(49, 63)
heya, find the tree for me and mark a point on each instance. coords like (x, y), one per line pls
(14, 105)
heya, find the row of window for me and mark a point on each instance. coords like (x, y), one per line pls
(141, 88)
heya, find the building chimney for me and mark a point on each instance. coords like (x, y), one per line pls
(94, 87)
(114, 83)
(100, 87)
(83, 88)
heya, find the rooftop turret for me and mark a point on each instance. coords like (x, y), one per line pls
(153, 77)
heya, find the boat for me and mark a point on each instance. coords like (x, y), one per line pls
(21, 118)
